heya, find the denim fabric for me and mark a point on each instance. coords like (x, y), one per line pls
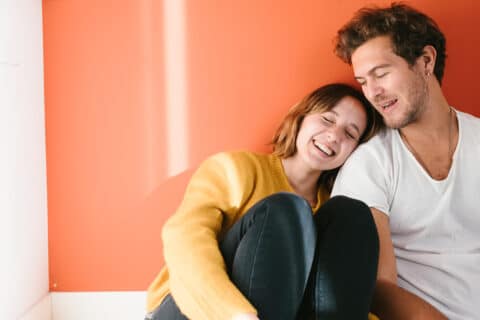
(167, 310)
(292, 265)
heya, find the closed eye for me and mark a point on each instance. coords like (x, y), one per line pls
(382, 75)
(350, 135)
(361, 81)
(327, 120)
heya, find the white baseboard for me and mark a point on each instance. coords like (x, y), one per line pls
(115, 305)
(40, 311)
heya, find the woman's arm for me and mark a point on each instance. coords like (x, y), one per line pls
(245, 316)
(198, 279)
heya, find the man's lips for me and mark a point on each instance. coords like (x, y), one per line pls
(386, 104)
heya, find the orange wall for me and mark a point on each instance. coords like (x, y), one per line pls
(109, 191)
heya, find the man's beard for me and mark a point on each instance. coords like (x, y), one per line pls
(418, 96)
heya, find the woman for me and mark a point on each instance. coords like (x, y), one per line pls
(255, 236)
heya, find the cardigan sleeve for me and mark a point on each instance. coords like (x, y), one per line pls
(198, 280)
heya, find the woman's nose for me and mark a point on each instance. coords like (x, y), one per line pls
(333, 134)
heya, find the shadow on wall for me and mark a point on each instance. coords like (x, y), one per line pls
(154, 211)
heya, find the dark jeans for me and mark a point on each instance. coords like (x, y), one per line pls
(292, 265)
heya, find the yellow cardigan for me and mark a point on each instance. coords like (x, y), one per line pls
(219, 193)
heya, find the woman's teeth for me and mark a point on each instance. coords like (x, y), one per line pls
(324, 149)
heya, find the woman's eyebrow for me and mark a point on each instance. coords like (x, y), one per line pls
(352, 124)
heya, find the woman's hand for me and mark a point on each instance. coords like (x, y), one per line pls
(245, 316)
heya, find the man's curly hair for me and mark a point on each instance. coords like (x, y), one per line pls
(409, 30)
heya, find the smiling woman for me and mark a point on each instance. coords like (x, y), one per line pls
(115, 142)
(335, 133)
(320, 111)
(255, 236)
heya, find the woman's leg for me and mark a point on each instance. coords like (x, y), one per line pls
(345, 267)
(168, 309)
(268, 254)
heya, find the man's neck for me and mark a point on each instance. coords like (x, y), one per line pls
(433, 123)
(432, 139)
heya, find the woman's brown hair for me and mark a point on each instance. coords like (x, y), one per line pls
(321, 100)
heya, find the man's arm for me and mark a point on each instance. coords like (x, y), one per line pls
(390, 302)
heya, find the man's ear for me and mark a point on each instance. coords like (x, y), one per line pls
(428, 59)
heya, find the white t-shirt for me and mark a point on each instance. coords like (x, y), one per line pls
(435, 225)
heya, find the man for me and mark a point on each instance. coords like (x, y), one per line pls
(420, 177)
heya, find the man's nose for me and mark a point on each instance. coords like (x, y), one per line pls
(372, 90)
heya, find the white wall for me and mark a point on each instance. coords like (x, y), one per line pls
(121, 305)
(23, 207)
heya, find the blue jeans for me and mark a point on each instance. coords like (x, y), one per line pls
(291, 264)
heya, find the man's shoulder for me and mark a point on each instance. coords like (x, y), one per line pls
(469, 119)
(366, 173)
(470, 129)
(381, 142)
(376, 153)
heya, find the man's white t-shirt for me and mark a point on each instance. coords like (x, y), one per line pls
(435, 225)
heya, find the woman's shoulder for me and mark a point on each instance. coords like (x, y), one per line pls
(242, 165)
(240, 158)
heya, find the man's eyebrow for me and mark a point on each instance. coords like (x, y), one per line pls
(374, 69)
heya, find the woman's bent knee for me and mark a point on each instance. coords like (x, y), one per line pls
(344, 213)
(347, 209)
(288, 206)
